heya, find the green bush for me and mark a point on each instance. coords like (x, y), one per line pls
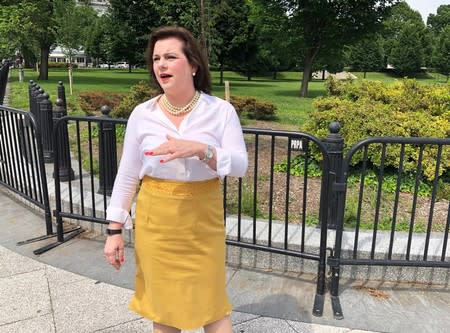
(53, 64)
(404, 108)
(298, 167)
(91, 102)
(253, 109)
(139, 93)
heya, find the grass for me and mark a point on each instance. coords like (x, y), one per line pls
(84, 80)
(283, 92)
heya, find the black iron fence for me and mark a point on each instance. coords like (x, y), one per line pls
(254, 217)
(395, 209)
(22, 168)
(298, 191)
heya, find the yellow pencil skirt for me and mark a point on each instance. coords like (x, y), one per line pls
(180, 253)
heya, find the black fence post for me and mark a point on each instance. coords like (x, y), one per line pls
(62, 94)
(4, 71)
(37, 97)
(107, 153)
(46, 126)
(32, 96)
(335, 146)
(30, 92)
(65, 170)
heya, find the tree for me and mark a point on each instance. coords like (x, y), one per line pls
(73, 23)
(333, 61)
(131, 22)
(98, 43)
(442, 52)
(229, 31)
(24, 28)
(13, 28)
(189, 17)
(367, 54)
(439, 21)
(275, 50)
(328, 25)
(398, 16)
(408, 53)
(45, 24)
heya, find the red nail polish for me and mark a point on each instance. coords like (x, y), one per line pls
(148, 153)
(161, 161)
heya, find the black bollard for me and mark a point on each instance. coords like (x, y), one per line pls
(45, 123)
(30, 92)
(33, 100)
(65, 170)
(62, 94)
(335, 146)
(107, 153)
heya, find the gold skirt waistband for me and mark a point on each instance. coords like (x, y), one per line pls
(181, 188)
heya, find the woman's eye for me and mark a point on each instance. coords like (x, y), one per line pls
(155, 59)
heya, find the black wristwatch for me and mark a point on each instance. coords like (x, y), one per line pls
(111, 232)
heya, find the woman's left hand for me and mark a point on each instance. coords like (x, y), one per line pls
(175, 148)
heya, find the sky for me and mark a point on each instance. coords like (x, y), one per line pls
(426, 7)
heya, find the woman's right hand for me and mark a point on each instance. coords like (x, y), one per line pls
(115, 251)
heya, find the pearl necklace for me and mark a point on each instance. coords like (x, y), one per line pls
(178, 110)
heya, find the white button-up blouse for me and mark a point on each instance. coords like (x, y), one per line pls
(213, 121)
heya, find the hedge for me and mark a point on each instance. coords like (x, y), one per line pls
(403, 108)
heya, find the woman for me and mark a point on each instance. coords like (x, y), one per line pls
(177, 145)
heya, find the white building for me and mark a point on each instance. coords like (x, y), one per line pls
(79, 58)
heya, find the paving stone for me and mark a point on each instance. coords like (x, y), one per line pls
(86, 306)
(301, 327)
(241, 317)
(24, 296)
(41, 324)
(12, 263)
(264, 325)
(135, 326)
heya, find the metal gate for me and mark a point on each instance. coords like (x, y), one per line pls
(414, 165)
(22, 168)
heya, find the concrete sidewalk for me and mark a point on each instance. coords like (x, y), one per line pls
(71, 289)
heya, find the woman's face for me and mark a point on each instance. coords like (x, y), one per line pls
(171, 67)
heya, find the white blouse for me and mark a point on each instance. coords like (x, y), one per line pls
(213, 121)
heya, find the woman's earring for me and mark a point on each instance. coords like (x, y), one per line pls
(193, 74)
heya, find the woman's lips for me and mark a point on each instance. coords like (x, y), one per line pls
(164, 77)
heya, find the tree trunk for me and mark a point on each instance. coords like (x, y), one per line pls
(274, 75)
(43, 69)
(221, 74)
(365, 74)
(307, 72)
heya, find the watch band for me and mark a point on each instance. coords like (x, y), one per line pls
(111, 232)
(208, 154)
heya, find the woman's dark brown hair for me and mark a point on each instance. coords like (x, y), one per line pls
(191, 49)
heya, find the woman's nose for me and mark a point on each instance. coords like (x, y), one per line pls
(162, 63)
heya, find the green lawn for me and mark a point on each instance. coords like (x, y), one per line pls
(283, 92)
